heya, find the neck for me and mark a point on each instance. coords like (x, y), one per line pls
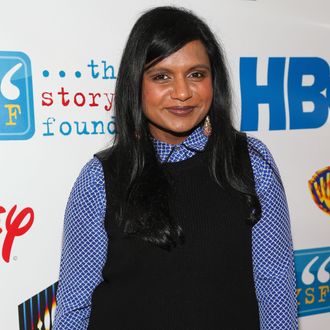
(170, 137)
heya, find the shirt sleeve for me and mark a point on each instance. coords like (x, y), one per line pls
(84, 249)
(273, 259)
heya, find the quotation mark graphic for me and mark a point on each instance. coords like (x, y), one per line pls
(323, 275)
(7, 88)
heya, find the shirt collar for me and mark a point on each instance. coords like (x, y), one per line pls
(166, 152)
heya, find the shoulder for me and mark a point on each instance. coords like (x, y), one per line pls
(86, 203)
(92, 171)
(258, 150)
(263, 164)
(90, 179)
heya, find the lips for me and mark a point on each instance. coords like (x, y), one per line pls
(180, 111)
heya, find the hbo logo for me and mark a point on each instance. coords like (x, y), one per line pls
(298, 93)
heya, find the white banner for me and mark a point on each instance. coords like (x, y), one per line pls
(58, 66)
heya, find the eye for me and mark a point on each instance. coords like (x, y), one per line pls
(160, 77)
(197, 75)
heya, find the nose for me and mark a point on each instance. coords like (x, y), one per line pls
(181, 90)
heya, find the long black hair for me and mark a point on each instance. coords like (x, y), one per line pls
(143, 207)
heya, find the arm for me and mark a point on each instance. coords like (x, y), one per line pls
(273, 260)
(84, 249)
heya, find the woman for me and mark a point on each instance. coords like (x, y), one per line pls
(183, 223)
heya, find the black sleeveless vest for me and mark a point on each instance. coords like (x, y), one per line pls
(207, 283)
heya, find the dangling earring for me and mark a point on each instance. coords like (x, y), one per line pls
(207, 128)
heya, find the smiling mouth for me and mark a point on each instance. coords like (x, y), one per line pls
(180, 111)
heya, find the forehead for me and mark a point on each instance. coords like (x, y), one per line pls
(191, 54)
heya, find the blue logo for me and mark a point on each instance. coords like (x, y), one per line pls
(16, 97)
(299, 99)
(313, 280)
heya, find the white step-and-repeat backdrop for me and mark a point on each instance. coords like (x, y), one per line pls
(58, 66)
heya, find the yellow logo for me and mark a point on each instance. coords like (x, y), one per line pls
(319, 186)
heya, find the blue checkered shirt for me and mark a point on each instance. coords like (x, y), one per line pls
(85, 240)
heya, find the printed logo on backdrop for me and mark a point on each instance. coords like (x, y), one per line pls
(319, 186)
(13, 224)
(16, 97)
(70, 111)
(296, 92)
(64, 109)
(313, 280)
(38, 312)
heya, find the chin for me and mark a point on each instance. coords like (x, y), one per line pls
(182, 131)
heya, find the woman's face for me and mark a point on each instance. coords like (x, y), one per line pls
(177, 93)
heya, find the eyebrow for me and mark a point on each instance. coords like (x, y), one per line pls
(164, 69)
